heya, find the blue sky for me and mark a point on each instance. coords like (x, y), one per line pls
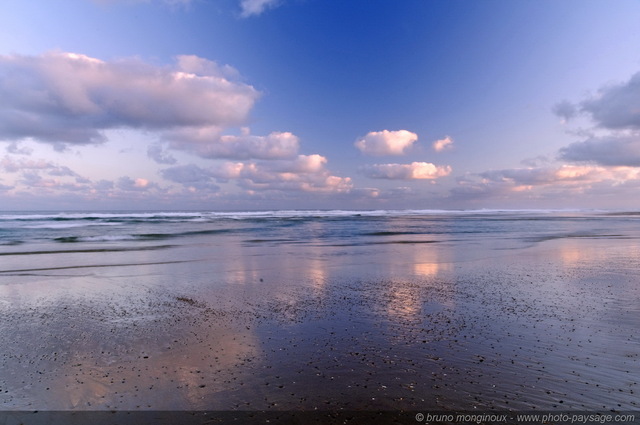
(359, 104)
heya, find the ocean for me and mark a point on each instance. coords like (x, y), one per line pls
(329, 310)
(226, 237)
(26, 230)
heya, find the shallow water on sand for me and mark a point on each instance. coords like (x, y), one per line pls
(343, 311)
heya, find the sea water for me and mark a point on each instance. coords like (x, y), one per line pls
(23, 231)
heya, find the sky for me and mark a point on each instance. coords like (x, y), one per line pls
(319, 104)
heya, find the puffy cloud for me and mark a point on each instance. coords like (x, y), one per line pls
(557, 183)
(103, 185)
(62, 171)
(10, 165)
(616, 106)
(385, 142)
(191, 176)
(186, 174)
(565, 110)
(126, 183)
(70, 98)
(15, 148)
(443, 144)
(42, 176)
(365, 193)
(207, 142)
(159, 155)
(413, 171)
(233, 170)
(305, 173)
(609, 151)
(47, 184)
(256, 7)
(301, 164)
(33, 180)
(541, 176)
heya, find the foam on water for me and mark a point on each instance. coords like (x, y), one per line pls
(309, 226)
(204, 215)
(58, 225)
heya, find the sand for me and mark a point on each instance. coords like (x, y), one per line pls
(552, 326)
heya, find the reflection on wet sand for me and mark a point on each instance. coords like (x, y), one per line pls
(426, 269)
(157, 353)
(570, 254)
(415, 299)
(312, 326)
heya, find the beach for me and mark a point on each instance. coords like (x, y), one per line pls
(324, 311)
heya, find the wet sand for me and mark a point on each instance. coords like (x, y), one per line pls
(261, 326)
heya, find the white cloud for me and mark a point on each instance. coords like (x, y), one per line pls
(301, 164)
(15, 148)
(11, 165)
(616, 112)
(159, 155)
(34, 180)
(207, 142)
(413, 171)
(126, 183)
(616, 106)
(543, 175)
(256, 7)
(187, 174)
(443, 144)
(565, 110)
(70, 98)
(305, 173)
(556, 184)
(608, 151)
(385, 142)
(103, 185)
(191, 176)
